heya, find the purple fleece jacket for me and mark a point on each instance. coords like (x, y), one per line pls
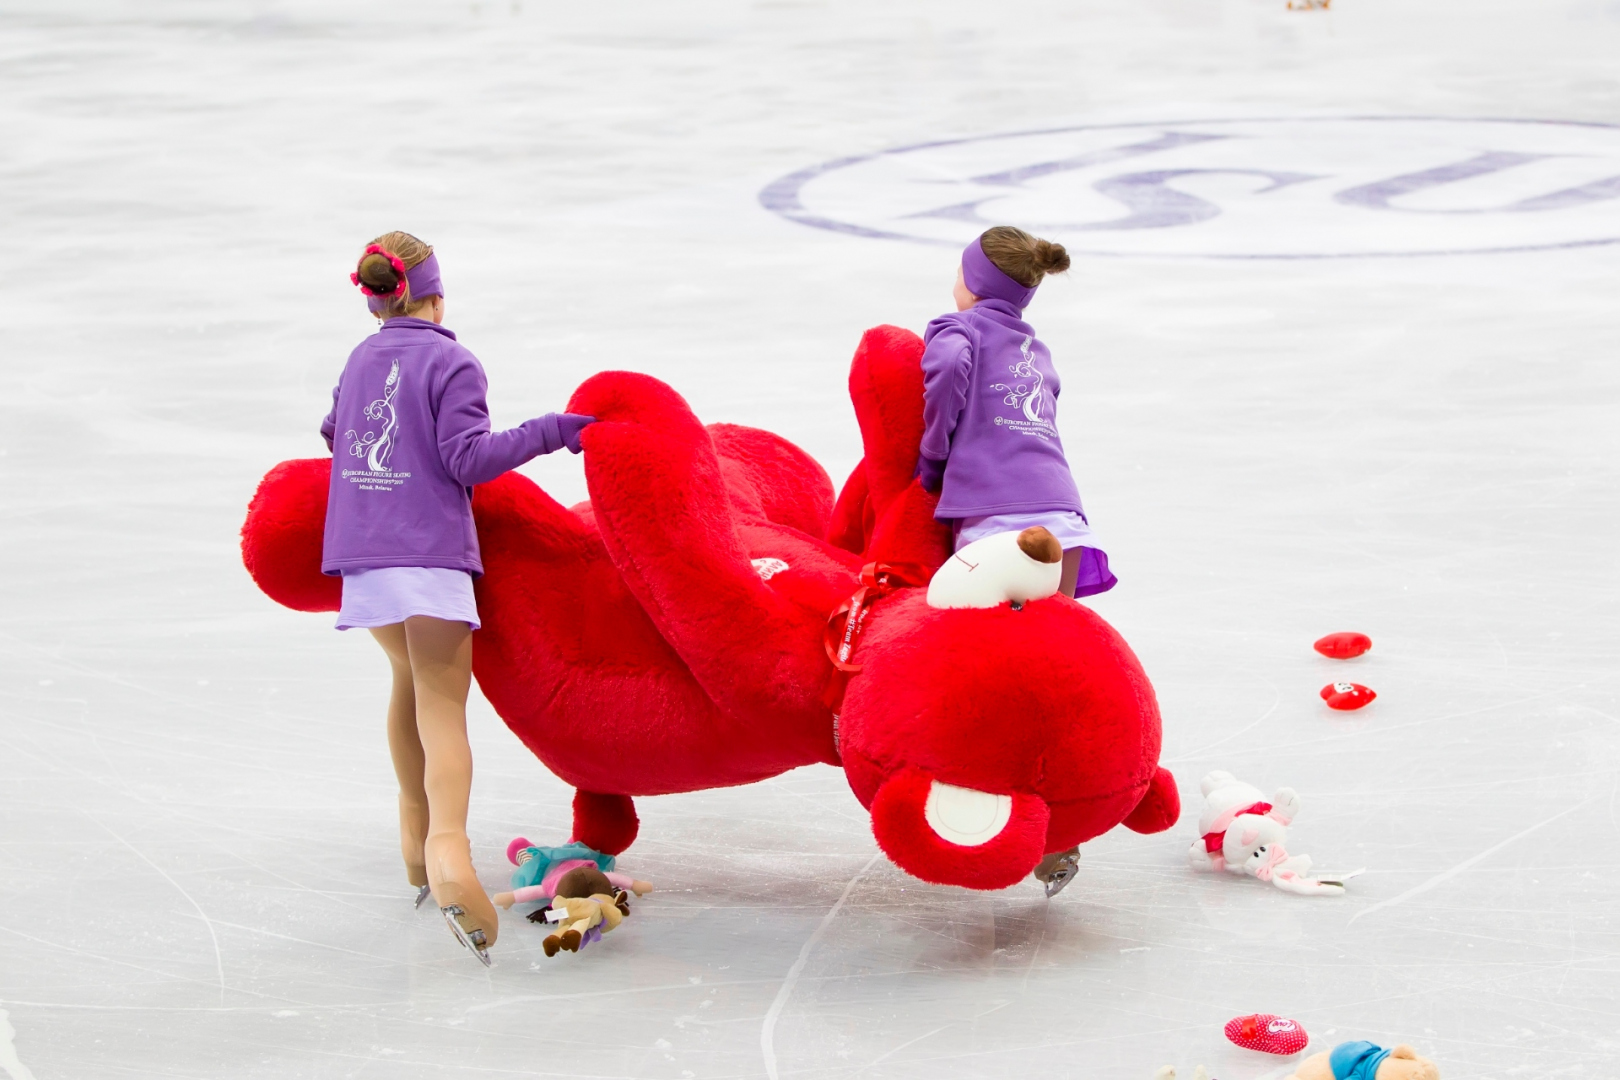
(409, 432)
(990, 413)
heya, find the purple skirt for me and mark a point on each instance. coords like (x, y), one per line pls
(391, 594)
(1072, 531)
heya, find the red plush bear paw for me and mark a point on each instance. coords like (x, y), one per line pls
(1268, 1034)
(1343, 646)
(1347, 695)
(1160, 806)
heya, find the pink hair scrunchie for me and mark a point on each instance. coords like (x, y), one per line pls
(393, 260)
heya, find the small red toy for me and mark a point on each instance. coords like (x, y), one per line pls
(1343, 646)
(1267, 1034)
(1347, 695)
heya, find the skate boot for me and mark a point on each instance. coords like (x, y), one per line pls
(413, 829)
(462, 901)
(1057, 870)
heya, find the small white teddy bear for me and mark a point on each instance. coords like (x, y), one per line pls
(1242, 832)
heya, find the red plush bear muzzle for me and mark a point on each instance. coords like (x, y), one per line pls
(953, 835)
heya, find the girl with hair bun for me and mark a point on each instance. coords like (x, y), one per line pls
(990, 444)
(409, 434)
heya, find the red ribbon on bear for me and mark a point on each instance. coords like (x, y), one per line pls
(848, 622)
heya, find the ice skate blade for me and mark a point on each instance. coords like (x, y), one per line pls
(1063, 876)
(1059, 882)
(473, 941)
(422, 894)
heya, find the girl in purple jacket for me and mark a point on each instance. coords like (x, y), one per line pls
(409, 433)
(990, 443)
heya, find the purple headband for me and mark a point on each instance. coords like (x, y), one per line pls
(986, 280)
(423, 279)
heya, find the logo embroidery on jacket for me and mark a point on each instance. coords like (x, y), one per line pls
(1024, 395)
(1028, 396)
(378, 447)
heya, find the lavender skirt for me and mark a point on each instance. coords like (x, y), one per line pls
(392, 594)
(1072, 531)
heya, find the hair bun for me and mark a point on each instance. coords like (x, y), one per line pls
(378, 274)
(1050, 258)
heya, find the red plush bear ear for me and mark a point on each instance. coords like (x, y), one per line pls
(283, 534)
(900, 822)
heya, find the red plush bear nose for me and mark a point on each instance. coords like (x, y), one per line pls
(954, 835)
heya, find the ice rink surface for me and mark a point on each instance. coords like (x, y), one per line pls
(1415, 437)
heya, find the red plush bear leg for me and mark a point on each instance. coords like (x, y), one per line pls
(607, 823)
(1160, 806)
(282, 536)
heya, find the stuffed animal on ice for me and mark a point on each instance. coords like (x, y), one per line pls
(711, 617)
(1242, 832)
(582, 889)
(583, 920)
(572, 871)
(1366, 1061)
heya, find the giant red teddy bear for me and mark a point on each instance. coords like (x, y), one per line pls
(674, 634)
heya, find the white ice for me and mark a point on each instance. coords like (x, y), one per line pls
(198, 869)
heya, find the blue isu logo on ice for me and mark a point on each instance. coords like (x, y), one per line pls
(1240, 189)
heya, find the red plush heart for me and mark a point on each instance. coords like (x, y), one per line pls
(1343, 646)
(1347, 695)
(1267, 1033)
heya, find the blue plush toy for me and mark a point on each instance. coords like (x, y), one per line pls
(1363, 1060)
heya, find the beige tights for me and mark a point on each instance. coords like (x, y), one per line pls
(1071, 571)
(427, 736)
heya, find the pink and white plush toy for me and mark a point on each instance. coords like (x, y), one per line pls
(1242, 832)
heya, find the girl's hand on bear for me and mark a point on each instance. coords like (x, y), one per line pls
(570, 425)
(931, 473)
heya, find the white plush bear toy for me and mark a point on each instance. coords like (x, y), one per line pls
(1242, 832)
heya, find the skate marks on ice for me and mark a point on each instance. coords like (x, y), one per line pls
(1257, 188)
(213, 936)
(767, 1033)
(9, 1061)
(1446, 875)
